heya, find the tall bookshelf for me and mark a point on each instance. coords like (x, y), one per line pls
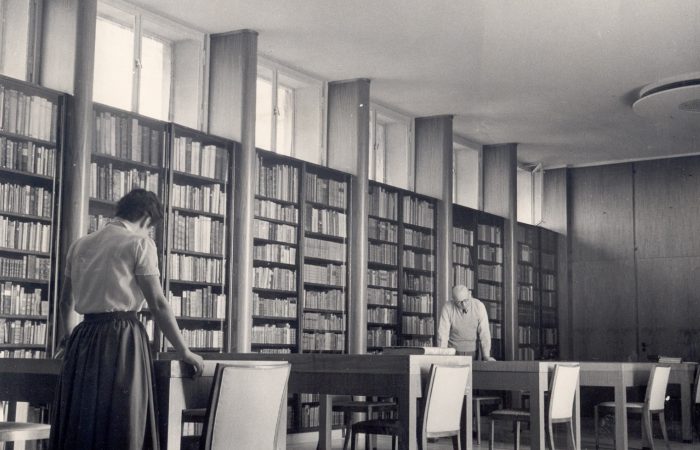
(383, 324)
(128, 152)
(417, 274)
(196, 244)
(490, 275)
(528, 292)
(32, 122)
(549, 302)
(463, 247)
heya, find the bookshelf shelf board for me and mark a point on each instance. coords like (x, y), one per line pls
(528, 345)
(195, 283)
(102, 202)
(471, 266)
(281, 222)
(419, 271)
(416, 313)
(318, 205)
(323, 286)
(386, 288)
(385, 219)
(550, 308)
(492, 244)
(24, 280)
(549, 271)
(22, 346)
(25, 216)
(21, 137)
(268, 345)
(274, 291)
(526, 302)
(428, 230)
(275, 318)
(549, 290)
(199, 319)
(488, 300)
(382, 241)
(277, 200)
(494, 283)
(316, 259)
(490, 263)
(15, 251)
(319, 330)
(418, 335)
(418, 249)
(264, 263)
(29, 177)
(380, 265)
(273, 241)
(459, 244)
(416, 292)
(374, 305)
(525, 263)
(179, 251)
(123, 162)
(383, 325)
(204, 349)
(321, 310)
(23, 317)
(198, 213)
(525, 283)
(326, 237)
(179, 175)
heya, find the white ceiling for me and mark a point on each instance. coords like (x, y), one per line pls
(556, 76)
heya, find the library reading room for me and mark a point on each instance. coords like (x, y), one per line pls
(326, 224)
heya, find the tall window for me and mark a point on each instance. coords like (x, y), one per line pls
(289, 112)
(390, 140)
(530, 194)
(142, 61)
(466, 174)
(16, 37)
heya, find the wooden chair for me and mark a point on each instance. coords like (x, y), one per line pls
(654, 401)
(442, 410)
(478, 400)
(561, 406)
(245, 406)
(11, 431)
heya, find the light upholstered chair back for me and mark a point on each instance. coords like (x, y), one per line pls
(246, 405)
(563, 391)
(656, 389)
(444, 398)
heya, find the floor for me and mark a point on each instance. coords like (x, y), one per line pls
(504, 439)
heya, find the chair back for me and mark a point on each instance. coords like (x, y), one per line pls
(697, 386)
(444, 398)
(563, 391)
(246, 405)
(656, 389)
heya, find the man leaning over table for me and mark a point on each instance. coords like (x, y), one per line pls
(463, 323)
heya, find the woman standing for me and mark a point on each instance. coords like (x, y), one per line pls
(105, 397)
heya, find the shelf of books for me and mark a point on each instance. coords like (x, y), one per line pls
(128, 152)
(198, 225)
(463, 252)
(549, 324)
(489, 275)
(31, 129)
(383, 268)
(276, 255)
(528, 292)
(417, 307)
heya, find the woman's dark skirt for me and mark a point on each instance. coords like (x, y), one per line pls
(105, 395)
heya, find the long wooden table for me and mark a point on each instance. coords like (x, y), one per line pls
(530, 376)
(621, 376)
(400, 376)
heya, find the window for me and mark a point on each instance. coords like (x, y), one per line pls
(466, 168)
(289, 112)
(142, 61)
(525, 196)
(390, 139)
(16, 37)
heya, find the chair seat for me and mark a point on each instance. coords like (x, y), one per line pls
(510, 414)
(377, 426)
(630, 405)
(359, 406)
(23, 431)
(194, 415)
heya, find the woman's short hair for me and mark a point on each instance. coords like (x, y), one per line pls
(139, 203)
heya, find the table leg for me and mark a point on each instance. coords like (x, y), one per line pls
(620, 416)
(577, 417)
(686, 409)
(537, 416)
(408, 437)
(467, 444)
(325, 421)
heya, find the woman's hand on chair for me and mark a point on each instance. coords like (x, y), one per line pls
(193, 359)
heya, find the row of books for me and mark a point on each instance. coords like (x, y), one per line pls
(198, 338)
(317, 248)
(124, 137)
(527, 253)
(549, 299)
(382, 297)
(493, 310)
(20, 235)
(275, 278)
(527, 335)
(210, 198)
(526, 354)
(549, 261)
(417, 303)
(549, 318)
(28, 115)
(381, 230)
(526, 293)
(489, 233)
(382, 278)
(326, 221)
(462, 255)
(274, 231)
(490, 273)
(382, 315)
(420, 261)
(527, 235)
(108, 183)
(418, 342)
(323, 342)
(200, 234)
(380, 337)
(419, 283)
(417, 238)
(196, 158)
(549, 282)
(464, 276)
(331, 274)
(274, 307)
(23, 353)
(383, 203)
(496, 330)
(310, 417)
(383, 253)
(23, 301)
(418, 212)
(274, 351)
(526, 274)
(198, 303)
(25, 332)
(277, 181)
(490, 292)
(330, 300)
(28, 267)
(462, 236)
(549, 336)
(27, 157)
(274, 334)
(196, 269)
(25, 199)
(326, 191)
(275, 253)
(326, 322)
(526, 315)
(417, 325)
(490, 254)
(276, 211)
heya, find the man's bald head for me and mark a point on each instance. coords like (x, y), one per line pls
(460, 293)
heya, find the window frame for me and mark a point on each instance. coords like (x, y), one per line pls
(33, 49)
(385, 116)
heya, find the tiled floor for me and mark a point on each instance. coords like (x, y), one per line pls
(504, 440)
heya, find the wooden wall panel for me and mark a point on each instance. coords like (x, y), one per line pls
(348, 123)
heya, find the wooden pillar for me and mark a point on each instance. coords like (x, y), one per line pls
(233, 72)
(348, 150)
(500, 163)
(434, 178)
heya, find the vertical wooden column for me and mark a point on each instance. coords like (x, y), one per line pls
(348, 150)
(554, 217)
(500, 163)
(233, 71)
(434, 160)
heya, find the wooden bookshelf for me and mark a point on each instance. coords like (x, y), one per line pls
(32, 124)
(490, 275)
(549, 301)
(464, 247)
(528, 292)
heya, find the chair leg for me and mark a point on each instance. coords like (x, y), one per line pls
(646, 418)
(551, 434)
(456, 444)
(491, 435)
(353, 440)
(662, 421)
(393, 442)
(573, 436)
(595, 424)
(477, 417)
(348, 432)
(517, 435)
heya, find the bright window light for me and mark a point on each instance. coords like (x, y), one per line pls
(285, 120)
(263, 114)
(154, 86)
(114, 64)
